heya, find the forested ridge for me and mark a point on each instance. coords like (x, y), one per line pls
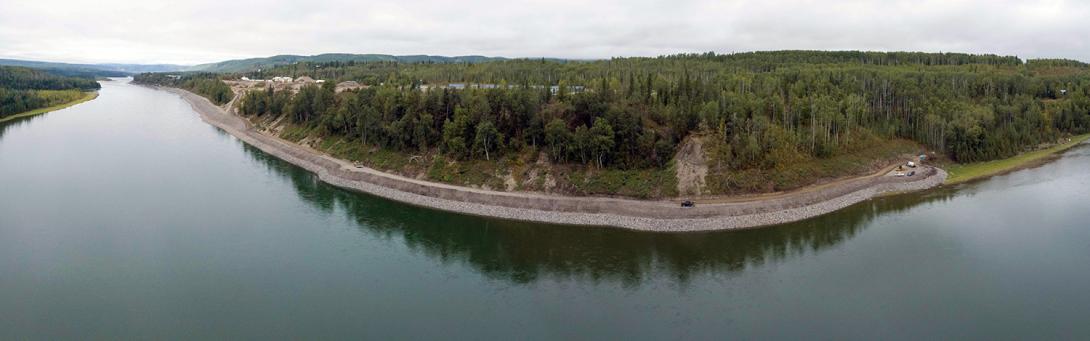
(243, 65)
(761, 113)
(23, 89)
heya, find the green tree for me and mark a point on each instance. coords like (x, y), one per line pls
(455, 134)
(486, 138)
(557, 138)
(601, 140)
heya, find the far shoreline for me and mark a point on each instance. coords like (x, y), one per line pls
(643, 215)
(967, 173)
(87, 96)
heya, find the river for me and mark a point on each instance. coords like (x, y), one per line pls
(129, 217)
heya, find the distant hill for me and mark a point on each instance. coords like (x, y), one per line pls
(141, 68)
(92, 70)
(250, 64)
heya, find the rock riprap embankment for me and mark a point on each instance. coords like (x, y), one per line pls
(634, 214)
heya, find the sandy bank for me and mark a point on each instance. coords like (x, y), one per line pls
(644, 215)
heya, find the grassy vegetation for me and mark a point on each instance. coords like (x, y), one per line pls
(294, 133)
(798, 171)
(960, 173)
(637, 183)
(377, 158)
(467, 173)
(85, 96)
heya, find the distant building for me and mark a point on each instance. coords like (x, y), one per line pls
(304, 79)
(282, 79)
(462, 86)
(349, 85)
(571, 89)
(245, 78)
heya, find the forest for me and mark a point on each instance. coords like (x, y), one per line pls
(760, 113)
(205, 84)
(23, 89)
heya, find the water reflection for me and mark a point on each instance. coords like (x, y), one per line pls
(523, 252)
(14, 123)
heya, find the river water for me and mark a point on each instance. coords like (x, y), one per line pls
(129, 217)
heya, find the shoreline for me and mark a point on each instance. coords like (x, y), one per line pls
(643, 215)
(88, 95)
(987, 169)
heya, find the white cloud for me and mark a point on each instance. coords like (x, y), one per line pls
(155, 31)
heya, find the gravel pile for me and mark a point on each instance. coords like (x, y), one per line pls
(646, 215)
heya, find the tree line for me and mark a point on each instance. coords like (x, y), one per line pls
(205, 84)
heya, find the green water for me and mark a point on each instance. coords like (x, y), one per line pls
(127, 217)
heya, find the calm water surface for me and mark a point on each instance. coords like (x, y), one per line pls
(128, 217)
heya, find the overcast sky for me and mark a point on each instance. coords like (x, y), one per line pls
(199, 31)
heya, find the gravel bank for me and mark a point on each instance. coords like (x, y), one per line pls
(646, 215)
